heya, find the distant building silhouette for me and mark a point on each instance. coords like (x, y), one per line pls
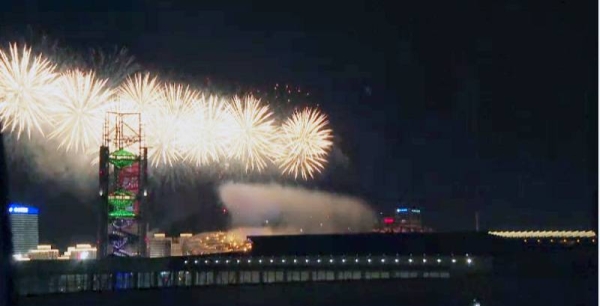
(404, 220)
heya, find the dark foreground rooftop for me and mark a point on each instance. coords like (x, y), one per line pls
(380, 243)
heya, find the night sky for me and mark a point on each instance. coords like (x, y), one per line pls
(454, 106)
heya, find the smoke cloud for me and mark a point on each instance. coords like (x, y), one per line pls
(44, 161)
(273, 209)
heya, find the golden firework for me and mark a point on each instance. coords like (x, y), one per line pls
(79, 110)
(141, 93)
(210, 134)
(168, 123)
(253, 135)
(179, 124)
(26, 90)
(304, 143)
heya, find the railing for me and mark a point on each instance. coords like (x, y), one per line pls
(99, 275)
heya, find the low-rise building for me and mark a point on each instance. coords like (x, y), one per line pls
(159, 245)
(81, 252)
(43, 252)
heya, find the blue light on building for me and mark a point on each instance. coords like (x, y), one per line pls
(406, 210)
(17, 209)
(24, 227)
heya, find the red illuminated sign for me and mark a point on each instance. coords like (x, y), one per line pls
(388, 220)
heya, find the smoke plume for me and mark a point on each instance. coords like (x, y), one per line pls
(43, 161)
(259, 209)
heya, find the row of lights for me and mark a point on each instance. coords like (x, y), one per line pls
(559, 240)
(469, 261)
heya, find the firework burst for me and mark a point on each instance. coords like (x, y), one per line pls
(79, 111)
(304, 141)
(180, 126)
(253, 134)
(26, 88)
(168, 122)
(141, 93)
(211, 131)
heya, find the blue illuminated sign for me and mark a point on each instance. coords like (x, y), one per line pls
(16, 209)
(405, 210)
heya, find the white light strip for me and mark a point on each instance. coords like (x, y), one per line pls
(543, 234)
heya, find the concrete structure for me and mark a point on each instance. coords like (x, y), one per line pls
(404, 220)
(200, 271)
(306, 260)
(24, 227)
(43, 252)
(179, 245)
(159, 245)
(502, 271)
(77, 252)
(81, 252)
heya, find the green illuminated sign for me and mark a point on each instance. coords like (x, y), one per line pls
(122, 158)
(122, 214)
(121, 199)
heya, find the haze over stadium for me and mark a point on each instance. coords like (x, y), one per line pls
(275, 209)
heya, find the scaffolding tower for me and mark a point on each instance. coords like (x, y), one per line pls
(123, 178)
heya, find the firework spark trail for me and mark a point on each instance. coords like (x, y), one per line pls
(79, 111)
(253, 135)
(114, 64)
(168, 122)
(26, 89)
(141, 93)
(304, 144)
(210, 133)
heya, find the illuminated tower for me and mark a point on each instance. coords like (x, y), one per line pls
(24, 227)
(123, 179)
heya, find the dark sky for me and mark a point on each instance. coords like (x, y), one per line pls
(454, 106)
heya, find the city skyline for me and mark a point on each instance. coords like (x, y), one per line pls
(481, 127)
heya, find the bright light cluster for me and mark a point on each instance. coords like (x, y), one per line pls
(78, 110)
(253, 134)
(304, 144)
(181, 124)
(167, 124)
(544, 234)
(26, 88)
(213, 128)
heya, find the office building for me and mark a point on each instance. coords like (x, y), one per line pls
(405, 220)
(24, 227)
(408, 218)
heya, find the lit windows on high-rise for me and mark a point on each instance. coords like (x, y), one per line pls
(24, 228)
